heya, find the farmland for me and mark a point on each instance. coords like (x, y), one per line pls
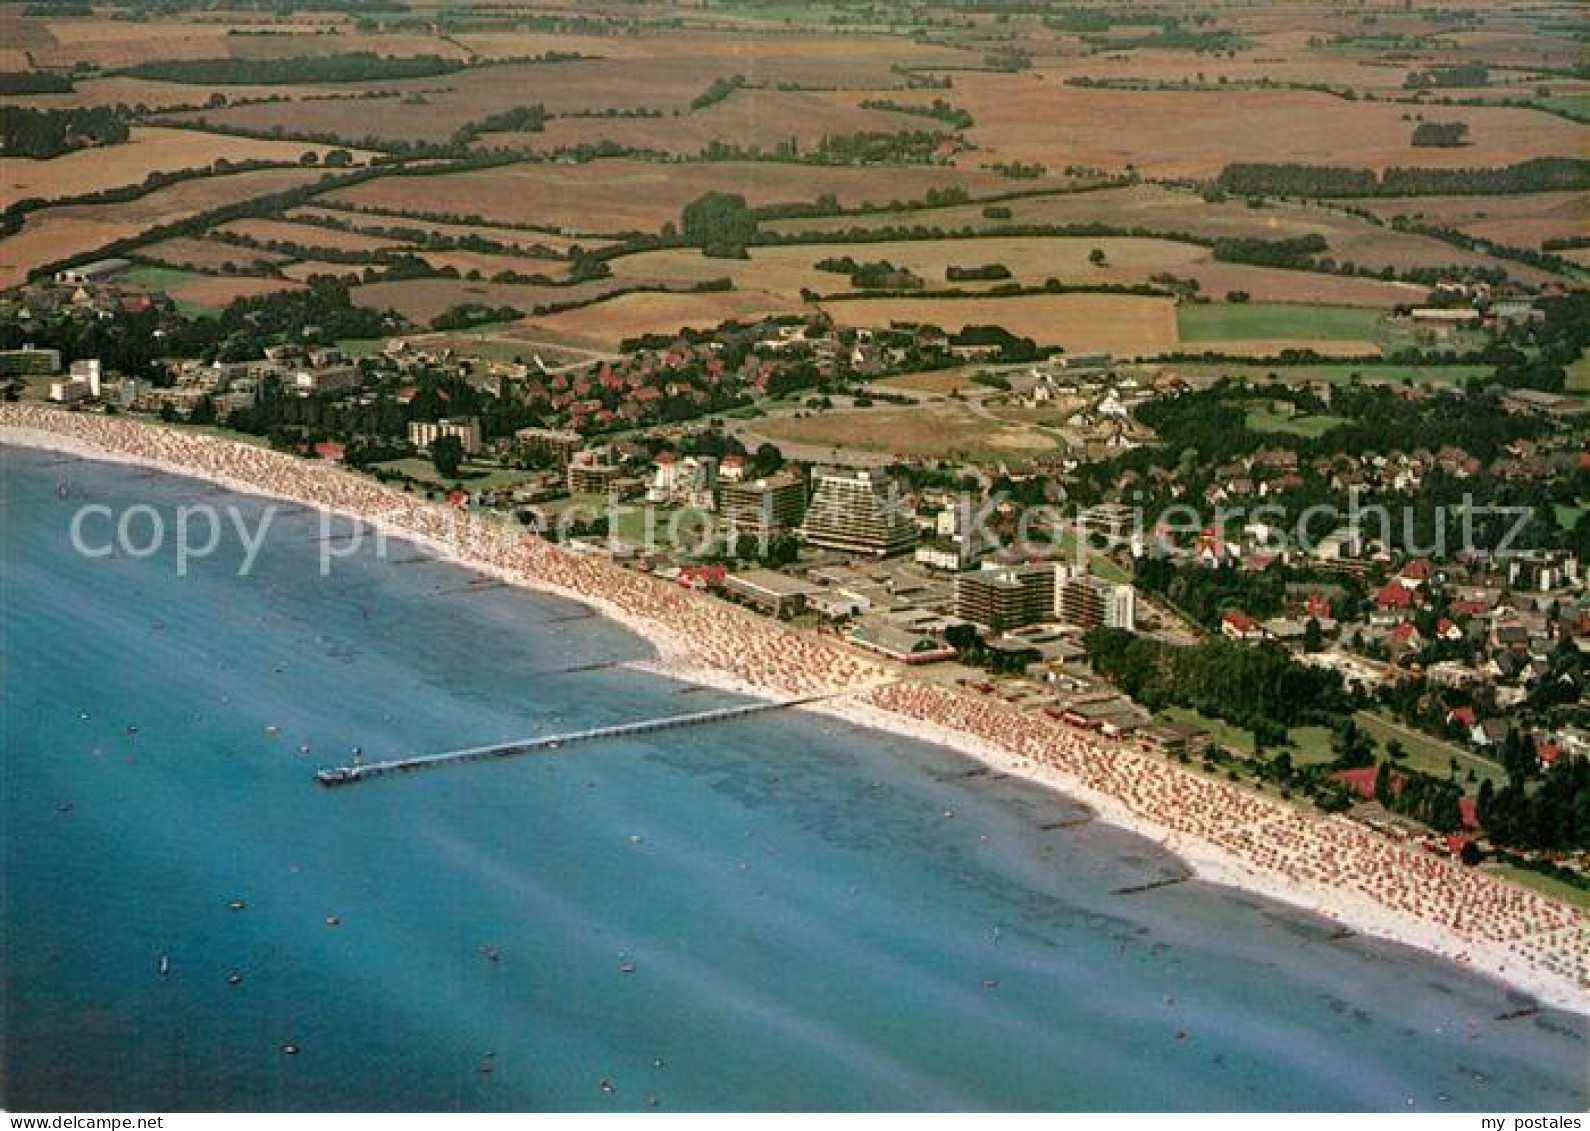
(615, 196)
(56, 233)
(543, 164)
(1127, 325)
(148, 151)
(1030, 261)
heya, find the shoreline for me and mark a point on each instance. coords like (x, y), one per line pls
(1338, 870)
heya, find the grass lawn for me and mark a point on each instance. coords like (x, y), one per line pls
(361, 347)
(1579, 375)
(156, 278)
(1267, 419)
(472, 477)
(1310, 745)
(1568, 517)
(1103, 566)
(1241, 321)
(628, 520)
(1428, 754)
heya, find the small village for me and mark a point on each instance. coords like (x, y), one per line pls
(1458, 668)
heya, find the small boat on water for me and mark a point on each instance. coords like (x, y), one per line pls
(165, 964)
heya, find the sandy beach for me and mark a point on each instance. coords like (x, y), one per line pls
(1327, 864)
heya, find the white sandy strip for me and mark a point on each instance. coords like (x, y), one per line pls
(677, 659)
(1214, 864)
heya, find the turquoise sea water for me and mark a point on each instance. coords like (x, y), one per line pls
(775, 912)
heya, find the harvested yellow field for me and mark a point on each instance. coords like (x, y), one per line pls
(1196, 134)
(609, 196)
(1125, 325)
(221, 290)
(787, 271)
(307, 235)
(525, 239)
(305, 269)
(1526, 220)
(207, 254)
(1351, 239)
(749, 118)
(56, 233)
(489, 264)
(423, 299)
(150, 149)
(605, 325)
(112, 90)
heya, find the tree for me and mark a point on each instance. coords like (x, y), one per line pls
(447, 453)
(719, 222)
(1313, 637)
(1097, 257)
(963, 638)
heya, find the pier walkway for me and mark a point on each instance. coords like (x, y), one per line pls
(358, 771)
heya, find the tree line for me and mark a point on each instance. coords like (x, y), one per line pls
(1540, 174)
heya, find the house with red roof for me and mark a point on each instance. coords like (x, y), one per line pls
(1463, 717)
(1392, 600)
(1318, 606)
(1548, 754)
(1448, 630)
(1469, 812)
(1360, 780)
(1406, 635)
(1238, 625)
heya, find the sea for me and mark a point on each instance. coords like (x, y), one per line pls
(776, 912)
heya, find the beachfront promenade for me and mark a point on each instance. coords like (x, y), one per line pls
(365, 771)
(1365, 880)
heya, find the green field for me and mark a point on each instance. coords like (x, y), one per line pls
(1310, 745)
(1579, 375)
(471, 476)
(1426, 753)
(361, 347)
(628, 520)
(1270, 419)
(155, 278)
(1248, 321)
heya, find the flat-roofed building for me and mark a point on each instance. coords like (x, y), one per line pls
(556, 443)
(1088, 602)
(1115, 521)
(423, 434)
(327, 379)
(770, 591)
(1002, 599)
(899, 644)
(857, 511)
(776, 503)
(593, 471)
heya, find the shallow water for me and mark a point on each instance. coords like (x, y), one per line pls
(780, 911)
